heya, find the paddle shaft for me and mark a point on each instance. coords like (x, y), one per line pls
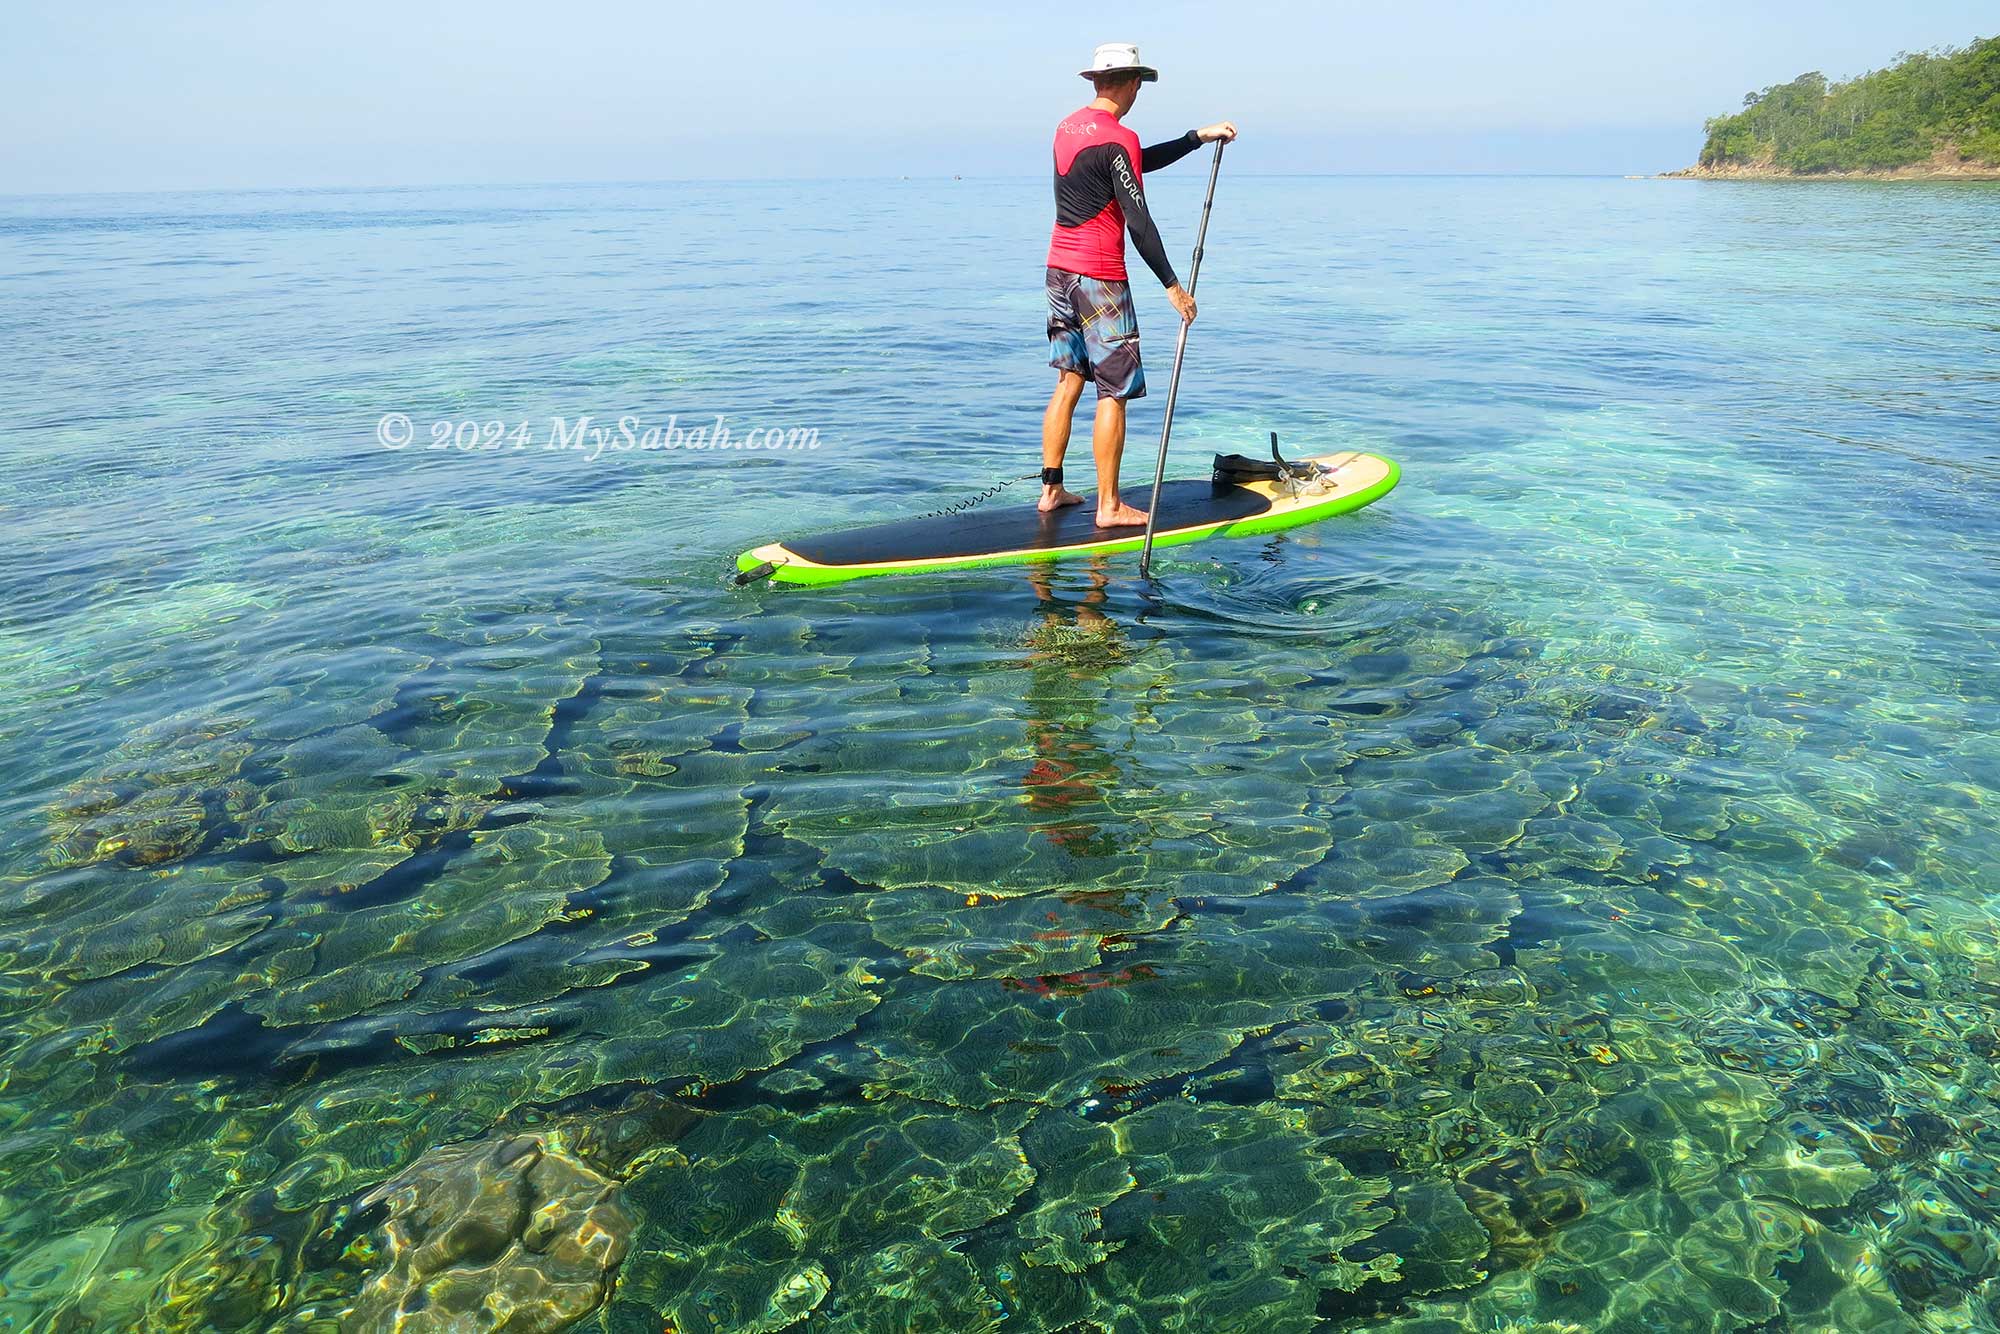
(1174, 384)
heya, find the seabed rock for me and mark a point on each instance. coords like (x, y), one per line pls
(500, 1235)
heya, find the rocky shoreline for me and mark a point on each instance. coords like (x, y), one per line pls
(1943, 166)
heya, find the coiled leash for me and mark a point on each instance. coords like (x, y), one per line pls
(961, 506)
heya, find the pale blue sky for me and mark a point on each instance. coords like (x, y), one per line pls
(129, 96)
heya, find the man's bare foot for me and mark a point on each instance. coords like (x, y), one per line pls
(1121, 516)
(1055, 497)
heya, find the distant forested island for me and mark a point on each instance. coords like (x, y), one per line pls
(1936, 113)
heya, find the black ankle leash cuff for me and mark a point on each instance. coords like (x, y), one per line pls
(1052, 477)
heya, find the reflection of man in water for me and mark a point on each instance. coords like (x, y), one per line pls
(1068, 653)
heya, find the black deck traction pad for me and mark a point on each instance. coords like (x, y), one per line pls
(1019, 526)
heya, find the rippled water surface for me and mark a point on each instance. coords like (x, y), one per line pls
(1560, 896)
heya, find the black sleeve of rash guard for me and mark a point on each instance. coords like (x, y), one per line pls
(1138, 221)
(1154, 156)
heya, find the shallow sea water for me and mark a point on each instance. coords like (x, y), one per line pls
(1558, 897)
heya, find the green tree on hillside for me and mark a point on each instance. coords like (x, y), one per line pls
(1947, 99)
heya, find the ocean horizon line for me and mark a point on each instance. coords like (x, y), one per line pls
(412, 188)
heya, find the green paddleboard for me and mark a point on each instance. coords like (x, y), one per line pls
(1019, 534)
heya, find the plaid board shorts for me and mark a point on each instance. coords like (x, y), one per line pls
(1094, 331)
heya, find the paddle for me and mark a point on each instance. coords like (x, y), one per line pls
(1174, 385)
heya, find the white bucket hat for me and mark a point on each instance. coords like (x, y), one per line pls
(1119, 58)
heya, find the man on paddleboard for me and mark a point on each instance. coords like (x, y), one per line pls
(1093, 330)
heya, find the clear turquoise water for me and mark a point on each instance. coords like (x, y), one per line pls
(1562, 893)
